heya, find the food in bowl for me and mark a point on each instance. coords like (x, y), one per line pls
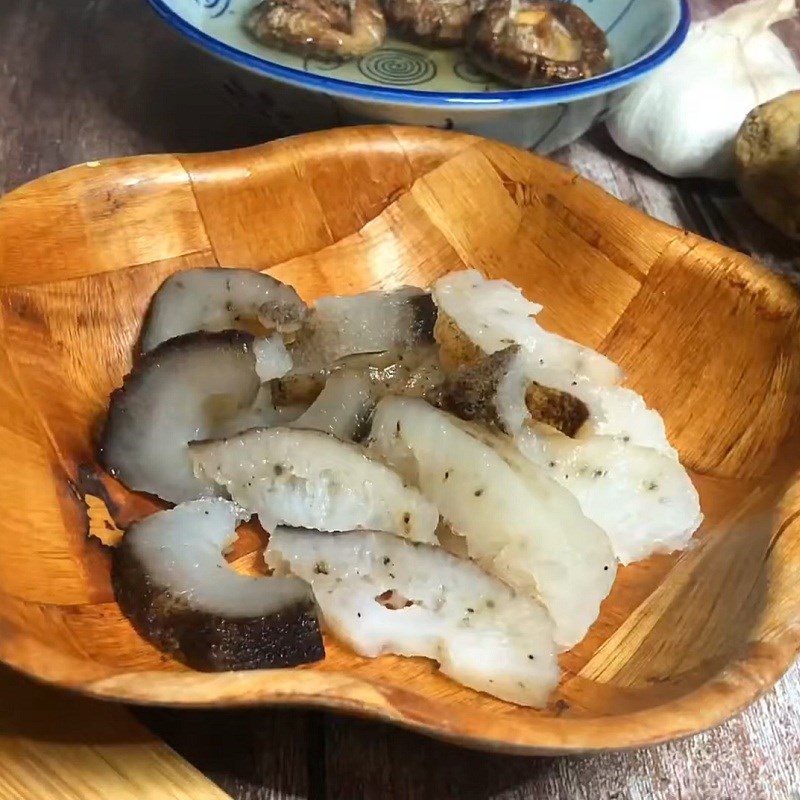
(171, 580)
(537, 43)
(439, 476)
(426, 84)
(523, 42)
(324, 28)
(437, 23)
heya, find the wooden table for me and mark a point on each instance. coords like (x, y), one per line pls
(85, 79)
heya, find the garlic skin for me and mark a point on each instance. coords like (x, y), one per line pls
(684, 117)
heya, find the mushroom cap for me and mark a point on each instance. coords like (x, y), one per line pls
(537, 42)
(327, 29)
(439, 23)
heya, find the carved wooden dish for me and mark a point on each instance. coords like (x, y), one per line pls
(710, 338)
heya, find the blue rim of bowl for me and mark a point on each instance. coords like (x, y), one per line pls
(514, 98)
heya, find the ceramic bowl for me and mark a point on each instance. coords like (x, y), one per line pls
(709, 337)
(404, 83)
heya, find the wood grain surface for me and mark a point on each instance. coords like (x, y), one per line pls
(57, 745)
(85, 95)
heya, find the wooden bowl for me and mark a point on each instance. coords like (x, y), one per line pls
(710, 338)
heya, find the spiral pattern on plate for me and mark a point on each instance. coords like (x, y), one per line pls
(217, 7)
(397, 67)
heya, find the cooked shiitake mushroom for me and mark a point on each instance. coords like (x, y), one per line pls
(530, 43)
(171, 580)
(320, 28)
(190, 387)
(221, 299)
(439, 23)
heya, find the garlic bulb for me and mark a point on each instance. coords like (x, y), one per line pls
(683, 118)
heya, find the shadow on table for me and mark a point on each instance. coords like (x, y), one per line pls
(179, 97)
(95, 78)
(35, 712)
(300, 754)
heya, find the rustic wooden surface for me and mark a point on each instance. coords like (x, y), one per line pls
(94, 750)
(82, 80)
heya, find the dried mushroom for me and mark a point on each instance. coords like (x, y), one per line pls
(537, 43)
(439, 23)
(321, 28)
